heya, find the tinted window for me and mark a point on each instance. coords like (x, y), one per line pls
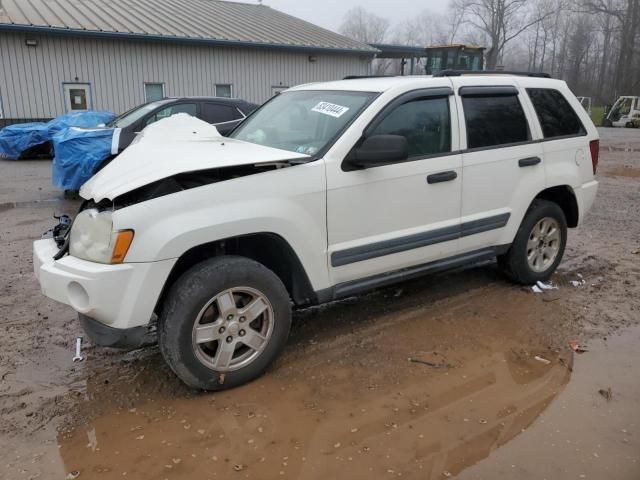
(215, 113)
(424, 122)
(135, 114)
(494, 120)
(189, 108)
(556, 116)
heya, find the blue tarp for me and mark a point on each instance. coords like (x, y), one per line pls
(79, 152)
(88, 119)
(15, 139)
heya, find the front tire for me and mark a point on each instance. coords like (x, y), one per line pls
(538, 246)
(223, 323)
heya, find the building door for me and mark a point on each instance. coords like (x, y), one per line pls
(77, 97)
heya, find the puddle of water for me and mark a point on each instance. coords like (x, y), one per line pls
(585, 433)
(352, 408)
(629, 172)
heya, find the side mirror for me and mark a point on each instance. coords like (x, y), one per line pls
(379, 150)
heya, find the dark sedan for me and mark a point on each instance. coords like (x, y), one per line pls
(223, 113)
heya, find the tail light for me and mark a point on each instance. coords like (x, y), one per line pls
(594, 146)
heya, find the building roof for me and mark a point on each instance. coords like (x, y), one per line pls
(201, 21)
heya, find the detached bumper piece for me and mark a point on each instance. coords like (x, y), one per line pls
(106, 336)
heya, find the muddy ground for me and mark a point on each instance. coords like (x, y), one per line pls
(435, 378)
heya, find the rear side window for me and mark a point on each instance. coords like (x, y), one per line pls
(216, 113)
(424, 122)
(494, 120)
(557, 117)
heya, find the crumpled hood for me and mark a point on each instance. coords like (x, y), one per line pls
(174, 145)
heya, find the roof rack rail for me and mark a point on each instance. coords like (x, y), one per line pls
(358, 77)
(459, 73)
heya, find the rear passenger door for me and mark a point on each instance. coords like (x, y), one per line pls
(224, 117)
(502, 162)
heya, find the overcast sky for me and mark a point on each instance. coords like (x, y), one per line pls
(329, 13)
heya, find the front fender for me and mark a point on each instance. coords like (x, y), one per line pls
(288, 202)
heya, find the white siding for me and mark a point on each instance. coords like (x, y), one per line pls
(31, 78)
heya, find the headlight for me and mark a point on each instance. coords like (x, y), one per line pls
(93, 238)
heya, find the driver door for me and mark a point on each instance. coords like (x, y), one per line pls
(403, 214)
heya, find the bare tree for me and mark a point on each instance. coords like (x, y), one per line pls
(364, 26)
(627, 13)
(426, 28)
(501, 21)
(592, 44)
(579, 41)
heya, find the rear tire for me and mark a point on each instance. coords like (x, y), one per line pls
(538, 246)
(223, 322)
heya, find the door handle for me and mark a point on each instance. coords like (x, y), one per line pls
(529, 162)
(442, 177)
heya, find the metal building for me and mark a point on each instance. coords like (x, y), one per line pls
(63, 55)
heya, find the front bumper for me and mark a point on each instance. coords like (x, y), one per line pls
(120, 296)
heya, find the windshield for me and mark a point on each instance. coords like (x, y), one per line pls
(135, 114)
(303, 121)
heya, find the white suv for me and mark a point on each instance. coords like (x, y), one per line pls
(326, 191)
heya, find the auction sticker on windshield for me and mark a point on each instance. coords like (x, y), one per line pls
(330, 109)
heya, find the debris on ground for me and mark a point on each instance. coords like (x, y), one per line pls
(564, 363)
(73, 475)
(541, 287)
(576, 347)
(78, 357)
(542, 360)
(434, 364)
(546, 286)
(607, 394)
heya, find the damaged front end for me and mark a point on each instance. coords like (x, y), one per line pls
(187, 181)
(180, 153)
(170, 156)
(61, 233)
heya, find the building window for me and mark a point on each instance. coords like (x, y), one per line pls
(153, 92)
(224, 90)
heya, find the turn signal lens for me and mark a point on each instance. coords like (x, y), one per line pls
(121, 246)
